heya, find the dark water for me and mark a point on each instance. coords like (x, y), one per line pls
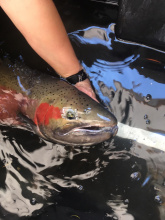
(121, 179)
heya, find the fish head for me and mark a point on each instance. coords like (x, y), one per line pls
(73, 118)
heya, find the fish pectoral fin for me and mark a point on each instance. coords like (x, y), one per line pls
(30, 125)
(27, 122)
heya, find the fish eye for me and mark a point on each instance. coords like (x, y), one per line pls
(70, 114)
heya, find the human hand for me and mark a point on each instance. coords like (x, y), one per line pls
(85, 86)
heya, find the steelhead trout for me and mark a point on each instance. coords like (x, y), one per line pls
(54, 109)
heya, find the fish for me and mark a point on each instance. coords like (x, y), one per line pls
(52, 108)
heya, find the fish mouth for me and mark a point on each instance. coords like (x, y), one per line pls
(84, 135)
(94, 130)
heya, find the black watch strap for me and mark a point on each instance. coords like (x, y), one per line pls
(78, 77)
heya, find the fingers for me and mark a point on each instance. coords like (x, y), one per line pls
(86, 88)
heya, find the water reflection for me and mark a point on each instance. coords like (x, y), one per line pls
(37, 174)
(120, 210)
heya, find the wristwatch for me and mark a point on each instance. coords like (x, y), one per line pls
(78, 77)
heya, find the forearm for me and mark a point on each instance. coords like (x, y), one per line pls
(41, 25)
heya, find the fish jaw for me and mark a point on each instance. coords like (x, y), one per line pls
(89, 135)
(81, 135)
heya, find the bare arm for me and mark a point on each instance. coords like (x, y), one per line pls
(41, 25)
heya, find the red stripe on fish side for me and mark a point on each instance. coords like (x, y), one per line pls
(40, 113)
(52, 113)
(45, 112)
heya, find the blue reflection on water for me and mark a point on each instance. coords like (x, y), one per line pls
(120, 70)
(130, 79)
(97, 36)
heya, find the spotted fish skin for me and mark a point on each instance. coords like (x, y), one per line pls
(58, 112)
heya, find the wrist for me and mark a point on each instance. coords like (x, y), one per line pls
(78, 77)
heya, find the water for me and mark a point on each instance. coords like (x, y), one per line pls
(121, 179)
(118, 179)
